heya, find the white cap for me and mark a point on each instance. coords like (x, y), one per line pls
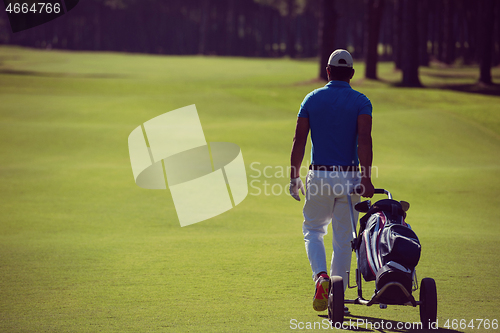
(340, 58)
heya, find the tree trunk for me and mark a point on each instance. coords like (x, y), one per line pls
(410, 44)
(496, 52)
(424, 33)
(375, 9)
(486, 24)
(460, 30)
(449, 42)
(439, 30)
(326, 35)
(290, 45)
(229, 28)
(397, 46)
(205, 12)
(471, 36)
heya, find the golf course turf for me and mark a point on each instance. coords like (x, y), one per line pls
(84, 249)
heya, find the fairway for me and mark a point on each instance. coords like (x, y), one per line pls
(84, 249)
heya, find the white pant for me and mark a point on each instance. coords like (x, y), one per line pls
(326, 201)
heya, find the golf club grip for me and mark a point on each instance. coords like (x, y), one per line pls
(357, 190)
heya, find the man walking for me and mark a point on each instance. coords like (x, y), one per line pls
(340, 122)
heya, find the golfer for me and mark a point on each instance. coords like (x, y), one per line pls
(340, 121)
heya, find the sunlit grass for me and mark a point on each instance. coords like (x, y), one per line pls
(82, 248)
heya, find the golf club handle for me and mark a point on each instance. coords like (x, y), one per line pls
(357, 190)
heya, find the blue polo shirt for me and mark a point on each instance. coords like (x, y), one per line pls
(333, 118)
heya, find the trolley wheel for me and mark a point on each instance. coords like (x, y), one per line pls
(428, 307)
(336, 300)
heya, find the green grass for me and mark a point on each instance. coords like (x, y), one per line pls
(83, 249)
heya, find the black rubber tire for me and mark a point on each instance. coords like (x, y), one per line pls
(428, 308)
(336, 300)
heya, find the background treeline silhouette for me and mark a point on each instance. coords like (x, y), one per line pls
(397, 30)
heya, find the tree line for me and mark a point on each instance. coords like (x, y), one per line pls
(409, 32)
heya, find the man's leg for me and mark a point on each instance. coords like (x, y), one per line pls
(317, 215)
(317, 211)
(342, 236)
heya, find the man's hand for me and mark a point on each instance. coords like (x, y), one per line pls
(296, 185)
(367, 189)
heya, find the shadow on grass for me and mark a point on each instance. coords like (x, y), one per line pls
(370, 324)
(477, 88)
(471, 88)
(59, 75)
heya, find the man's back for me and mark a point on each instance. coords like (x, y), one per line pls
(333, 115)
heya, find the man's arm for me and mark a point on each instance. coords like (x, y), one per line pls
(365, 153)
(299, 146)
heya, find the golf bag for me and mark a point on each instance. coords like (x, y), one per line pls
(388, 249)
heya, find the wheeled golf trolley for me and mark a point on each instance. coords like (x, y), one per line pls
(394, 282)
